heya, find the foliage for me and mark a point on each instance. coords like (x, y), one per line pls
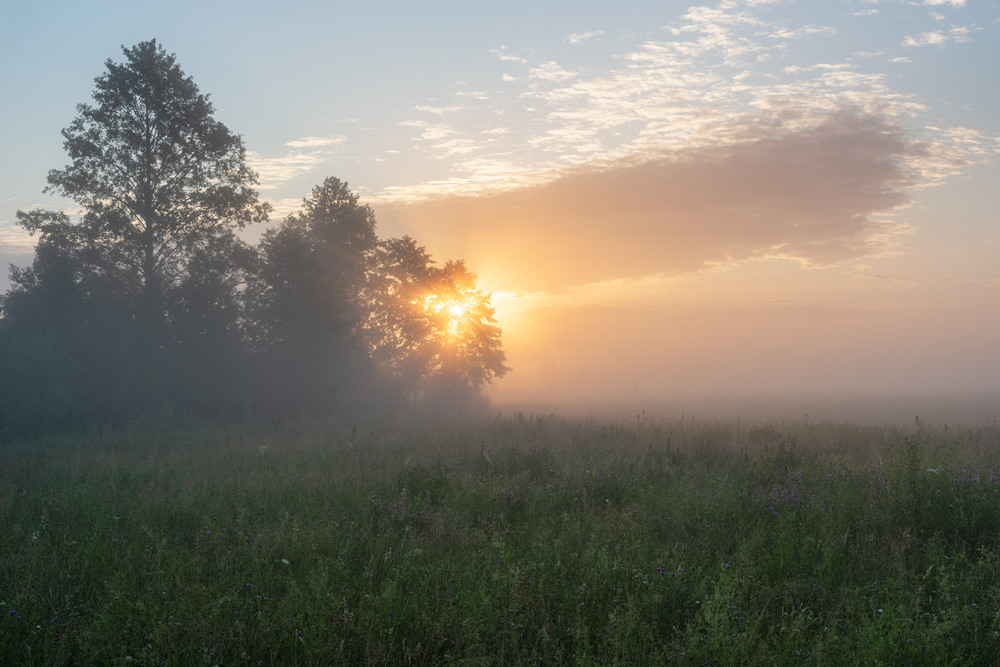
(429, 327)
(157, 176)
(312, 269)
(522, 540)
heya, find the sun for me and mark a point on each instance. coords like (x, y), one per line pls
(453, 314)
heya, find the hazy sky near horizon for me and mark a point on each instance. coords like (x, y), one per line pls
(664, 197)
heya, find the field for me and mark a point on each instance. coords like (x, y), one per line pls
(525, 539)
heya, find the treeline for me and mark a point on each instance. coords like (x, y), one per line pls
(148, 304)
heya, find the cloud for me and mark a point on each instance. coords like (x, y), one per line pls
(16, 241)
(306, 155)
(315, 142)
(580, 37)
(936, 3)
(957, 34)
(431, 131)
(502, 54)
(702, 87)
(813, 195)
(551, 71)
(438, 111)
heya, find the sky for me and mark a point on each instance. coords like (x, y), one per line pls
(666, 199)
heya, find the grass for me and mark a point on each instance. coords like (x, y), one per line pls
(522, 540)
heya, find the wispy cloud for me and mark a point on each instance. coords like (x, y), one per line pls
(581, 37)
(957, 34)
(16, 241)
(429, 131)
(315, 142)
(502, 54)
(305, 155)
(551, 71)
(440, 110)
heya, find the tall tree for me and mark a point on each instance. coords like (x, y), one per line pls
(157, 176)
(314, 266)
(139, 302)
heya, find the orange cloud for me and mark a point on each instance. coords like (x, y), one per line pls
(813, 195)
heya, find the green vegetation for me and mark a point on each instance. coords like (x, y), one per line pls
(521, 540)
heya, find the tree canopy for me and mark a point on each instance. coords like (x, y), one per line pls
(159, 178)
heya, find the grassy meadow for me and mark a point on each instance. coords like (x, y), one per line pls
(521, 540)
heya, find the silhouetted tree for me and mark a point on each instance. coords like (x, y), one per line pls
(467, 337)
(398, 328)
(313, 270)
(429, 327)
(158, 177)
(153, 264)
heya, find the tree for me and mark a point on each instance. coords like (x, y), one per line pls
(314, 266)
(464, 330)
(430, 328)
(140, 302)
(398, 329)
(157, 176)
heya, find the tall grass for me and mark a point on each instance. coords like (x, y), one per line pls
(528, 539)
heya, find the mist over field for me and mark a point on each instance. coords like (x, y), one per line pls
(757, 408)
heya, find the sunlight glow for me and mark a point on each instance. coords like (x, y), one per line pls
(454, 313)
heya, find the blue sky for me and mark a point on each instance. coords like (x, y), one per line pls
(800, 175)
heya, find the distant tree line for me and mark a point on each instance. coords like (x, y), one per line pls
(147, 303)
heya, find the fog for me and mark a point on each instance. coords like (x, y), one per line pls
(872, 409)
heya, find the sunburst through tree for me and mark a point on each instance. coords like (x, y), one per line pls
(431, 326)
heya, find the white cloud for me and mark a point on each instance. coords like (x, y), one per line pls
(960, 34)
(441, 110)
(315, 142)
(16, 240)
(431, 131)
(804, 31)
(502, 54)
(551, 71)
(580, 37)
(936, 38)
(956, 34)
(936, 3)
(306, 155)
(446, 149)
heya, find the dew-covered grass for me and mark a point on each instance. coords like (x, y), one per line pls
(524, 540)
